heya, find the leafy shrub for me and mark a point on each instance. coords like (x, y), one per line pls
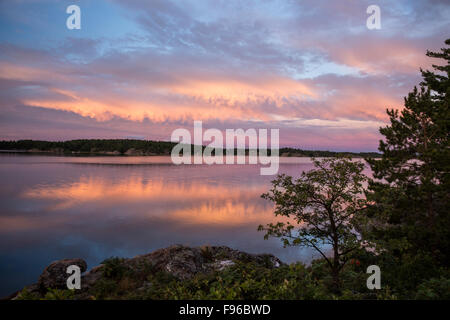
(57, 294)
(433, 289)
(114, 268)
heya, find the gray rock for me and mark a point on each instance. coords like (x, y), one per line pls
(55, 275)
(223, 264)
(90, 277)
(185, 262)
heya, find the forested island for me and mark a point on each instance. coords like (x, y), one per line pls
(141, 148)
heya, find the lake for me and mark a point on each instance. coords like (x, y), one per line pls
(55, 207)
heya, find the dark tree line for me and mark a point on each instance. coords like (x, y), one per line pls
(143, 146)
(90, 145)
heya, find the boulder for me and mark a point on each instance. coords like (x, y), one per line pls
(55, 275)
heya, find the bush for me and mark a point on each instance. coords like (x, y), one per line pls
(434, 289)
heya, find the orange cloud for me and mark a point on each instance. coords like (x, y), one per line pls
(374, 57)
(205, 100)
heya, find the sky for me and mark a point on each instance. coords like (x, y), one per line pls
(141, 69)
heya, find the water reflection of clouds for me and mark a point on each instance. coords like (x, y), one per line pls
(132, 189)
(194, 202)
(51, 211)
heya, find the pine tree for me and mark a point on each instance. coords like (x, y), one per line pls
(410, 191)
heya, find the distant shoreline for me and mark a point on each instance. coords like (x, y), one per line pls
(112, 154)
(127, 147)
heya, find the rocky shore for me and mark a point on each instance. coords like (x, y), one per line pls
(137, 275)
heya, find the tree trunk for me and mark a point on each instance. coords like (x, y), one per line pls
(336, 266)
(336, 280)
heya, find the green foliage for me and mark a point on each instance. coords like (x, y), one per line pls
(57, 294)
(250, 281)
(114, 268)
(51, 294)
(105, 288)
(434, 289)
(410, 192)
(25, 294)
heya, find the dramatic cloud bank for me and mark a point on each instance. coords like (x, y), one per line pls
(139, 69)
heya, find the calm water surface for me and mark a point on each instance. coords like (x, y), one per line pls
(96, 207)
